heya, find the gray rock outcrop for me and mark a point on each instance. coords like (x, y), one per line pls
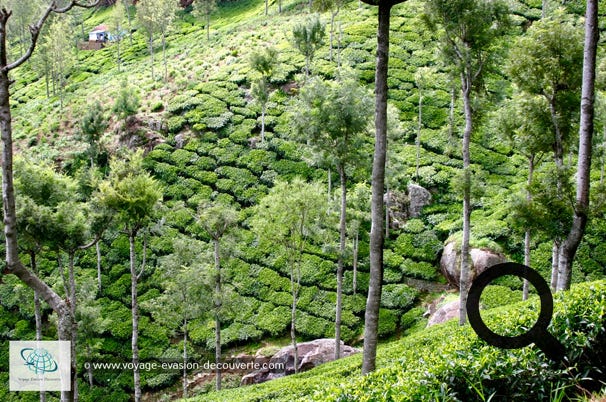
(311, 354)
(481, 258)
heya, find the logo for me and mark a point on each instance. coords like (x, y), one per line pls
(39, 366)
(39, 360)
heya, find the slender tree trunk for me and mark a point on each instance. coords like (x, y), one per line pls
(373, 302)
(266, 5)
(217, 316)
(37, 310)
(451, 111)
(185, 358)
(13, 263)
(151, 53)
(387, 205)
(135, 314)
(279, 6)
(294, 288)
(555, 262)
(333, 14)
(603, 155)
(90, 366)
(340, 262)
(208, 26)
(527, 234)
(98, 251)
(465, 260)
(418, 139)
(119, 61)
(263, 111)
(74, 330)
(581, 210)
(329, 179)
(164, 56)
(355, 262)
(544, 8)
(129, 18)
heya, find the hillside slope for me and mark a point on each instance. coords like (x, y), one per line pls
(197, 128)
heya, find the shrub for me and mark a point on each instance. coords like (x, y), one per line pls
(388, 321)
(398, 296)
(421, 270)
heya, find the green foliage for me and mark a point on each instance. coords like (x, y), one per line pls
(127, 103)
(307, 39)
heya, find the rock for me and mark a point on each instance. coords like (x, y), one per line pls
(444, 313)
(311, 354)
(397, 203)
(450, 263)
(403, 206)
(179, 141)
(418, 198)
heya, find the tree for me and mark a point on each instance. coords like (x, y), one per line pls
(132, 194)
(423, 77)
(285, 221)
(332, 6)
(116, 26)
(217, 220)
(545, 62)
(264, 64)
(61, 55)
(581, 207)
(92, 127)
(127, 103)
(205, 8)
(373, 301)
(186, 294)
(166, 15)
(469, 29)
(333, 117)
(127, 7)
(526, 125)
(13, 262)
(307, 38)
(148, 17)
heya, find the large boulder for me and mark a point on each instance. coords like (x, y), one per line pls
(481, 258)
(403, 206)
(445, 312)
(419, 197)
(311, 354)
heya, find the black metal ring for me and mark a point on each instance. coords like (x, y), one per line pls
(473, 305)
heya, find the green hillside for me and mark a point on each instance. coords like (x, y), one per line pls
(196, 129)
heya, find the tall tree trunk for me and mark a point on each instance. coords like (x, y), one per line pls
(263, 111)
(451, 111)
(294, 288)
(164, 56)
(333, 14)
(527, 233)
(208, 26)
(266, 5)
(89, 368)
(74, 331)
(135, 314)
(13, 263)
(355, 262)
(340, 262)
(465, 260)
(98, 252)
(151, 53)
(373, 302)
(581, 210)
(185, 358)
(217, 316)
(37, 310)
(129, 18)
(418, 139)
(555, 262)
